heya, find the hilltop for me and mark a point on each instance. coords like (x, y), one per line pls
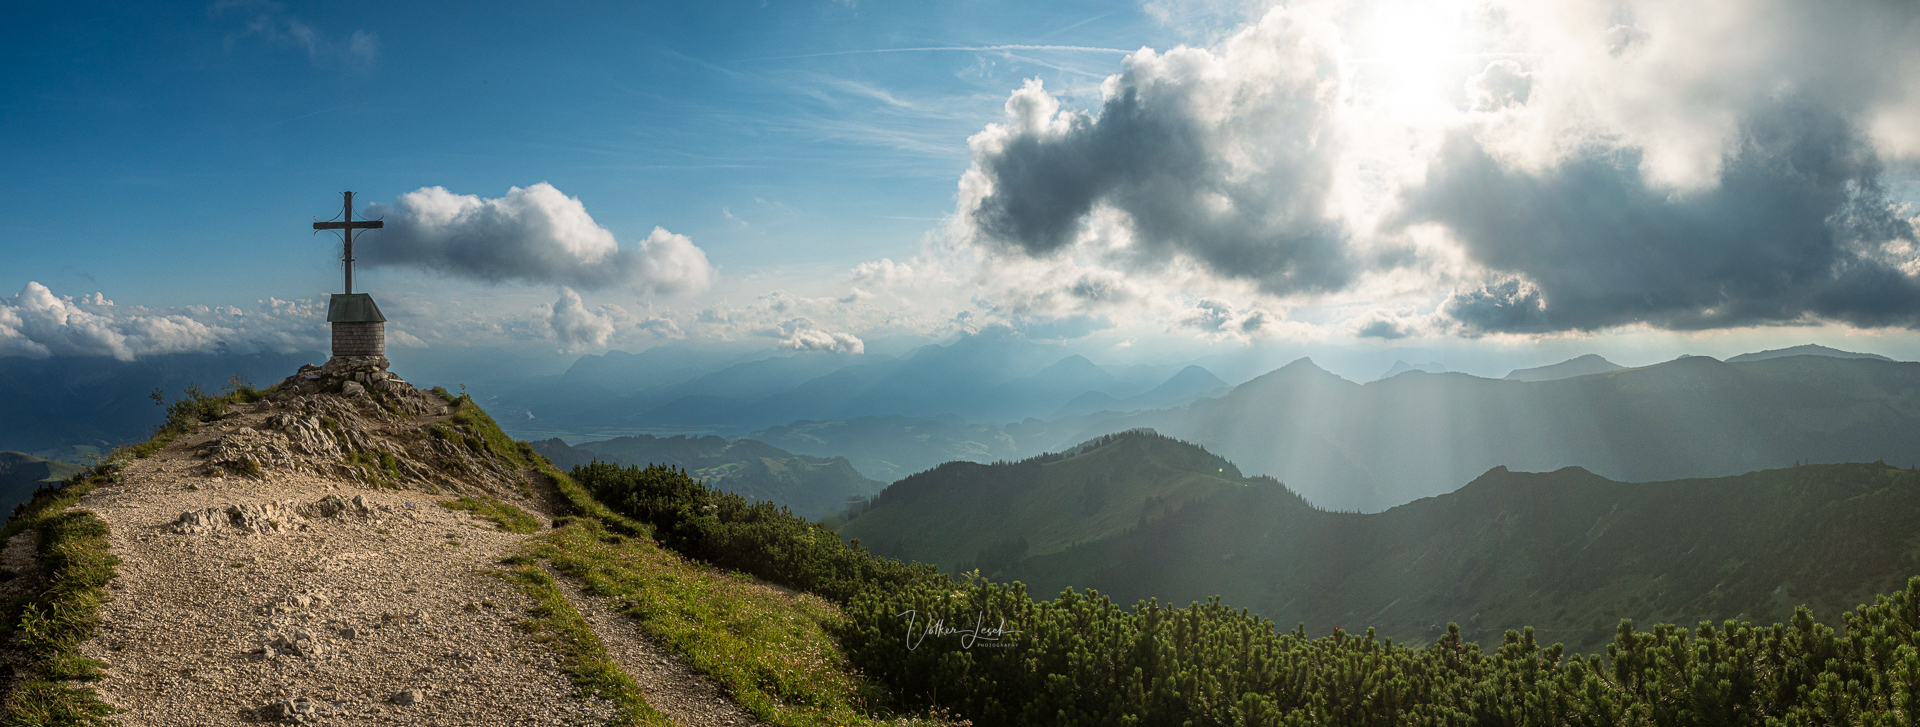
(345, 547)
(1568, 553)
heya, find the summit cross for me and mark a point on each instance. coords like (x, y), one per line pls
(346, 226)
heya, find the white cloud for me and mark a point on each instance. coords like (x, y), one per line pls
(579, 328)
(802, 334)
(1219, 320)
(1507, 167)
(534, 234)
(36, 323)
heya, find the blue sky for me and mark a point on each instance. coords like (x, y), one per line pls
(1497, 181)
(170, 150)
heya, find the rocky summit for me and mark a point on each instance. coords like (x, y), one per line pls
(289, 559)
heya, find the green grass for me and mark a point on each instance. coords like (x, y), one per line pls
(195, 406)
(771, 651)
(555, 621)
(50, 626)
(582, 504)
(377, 467)
(504, 515)
(481, 434)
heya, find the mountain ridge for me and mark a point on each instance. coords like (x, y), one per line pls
(1751, 545)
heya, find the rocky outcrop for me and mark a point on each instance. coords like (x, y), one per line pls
(353, 419)
(271, 518)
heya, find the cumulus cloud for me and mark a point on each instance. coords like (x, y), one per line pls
(883, 273)
(1797, 227)
(533, 235)
(801, 334)
(1504, 83)
(579, 328)
(1218, 319)
(36, 323)
(1681, 165)
(1222, 156)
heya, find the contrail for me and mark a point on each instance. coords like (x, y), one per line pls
(970, 48)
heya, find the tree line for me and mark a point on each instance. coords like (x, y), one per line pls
(1081, 659)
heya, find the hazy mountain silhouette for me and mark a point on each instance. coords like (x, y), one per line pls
(1192, 382)
(1568, 552)
(56, 403)
(1368, 447)
(1810, 349)
(1401, 367)
(1580, 366)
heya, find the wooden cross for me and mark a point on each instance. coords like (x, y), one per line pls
(346, 227)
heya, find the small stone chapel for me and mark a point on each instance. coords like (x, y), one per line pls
(359, 331)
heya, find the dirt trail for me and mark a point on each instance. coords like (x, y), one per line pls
(307, 595)
(672, 687)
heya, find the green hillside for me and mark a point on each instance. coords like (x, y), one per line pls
(21, 474)
(813, 487)
(964, 515)
(1568, 552)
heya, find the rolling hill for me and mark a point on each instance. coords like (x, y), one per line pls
(1140, 516)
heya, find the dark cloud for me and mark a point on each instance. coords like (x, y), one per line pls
(1383, 329)
(1797, 228)
(1227, 159)
(1218, 318)
(535, 234)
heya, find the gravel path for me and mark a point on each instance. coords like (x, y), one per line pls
(374, 607)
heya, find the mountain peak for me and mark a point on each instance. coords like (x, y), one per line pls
(1401, 367)
(1577, 366)
(1810, 349)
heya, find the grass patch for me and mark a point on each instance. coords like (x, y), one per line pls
(377, 467)
(773, 654)
(481, 434)
(582, 504)
(50, 626)
(505, 515)
(195, 406)
(554, 621)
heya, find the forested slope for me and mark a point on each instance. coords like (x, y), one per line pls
(1568, 552)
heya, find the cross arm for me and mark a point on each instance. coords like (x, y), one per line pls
(354, 225)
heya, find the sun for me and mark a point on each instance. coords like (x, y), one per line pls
(1409, 55)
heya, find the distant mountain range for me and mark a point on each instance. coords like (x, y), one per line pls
(812, 487)
(52, 404)
(21, 474)
(1401, 367)
(1568, 552)
(1184, 388)
(1349, 446)
(1805, 350)
(991, 377)
(1581, 366)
